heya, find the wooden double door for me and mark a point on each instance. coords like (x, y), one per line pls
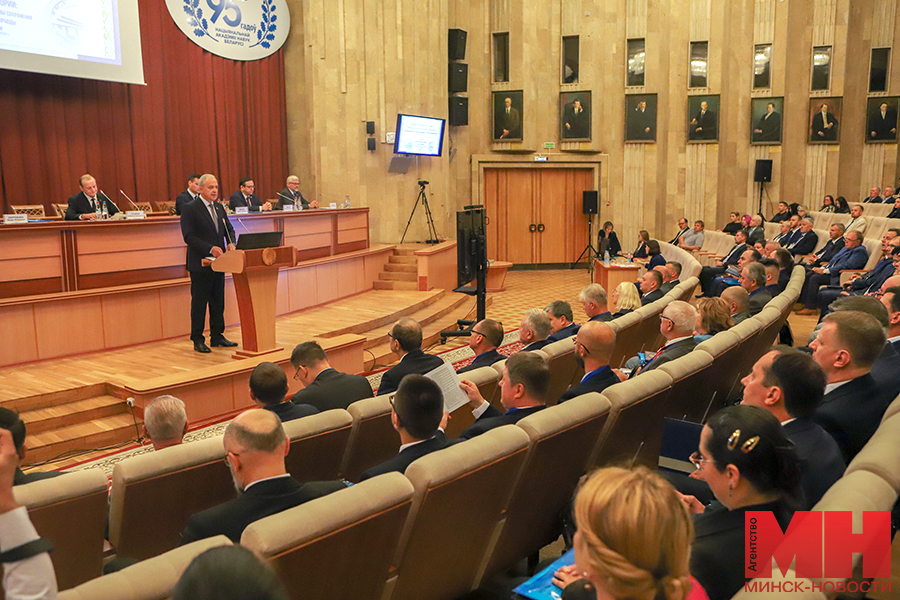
(535, 214)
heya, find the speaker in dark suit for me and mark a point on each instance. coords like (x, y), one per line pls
(206, 232)
(84, 204)
(246, 197)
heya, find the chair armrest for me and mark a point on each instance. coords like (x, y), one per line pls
(846, 273)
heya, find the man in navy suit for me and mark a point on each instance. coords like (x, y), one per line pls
(753, 279)
(190, 194)
(245, 197)
(594, 344)
(561, 321)
(805, 241)
(487, 336)
(291, 195)
(206, 232)
(323, 386)
(853, 256)
(891, 300)
(847, 346)
(866, 283)
(85, 204)
(534, 329)
(417, 411)
(269, 389)
(834, 245)
(594, 300)
(523, 392)
(406, 341)
(255, 447)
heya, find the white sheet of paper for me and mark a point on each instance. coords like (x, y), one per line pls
(448, 381)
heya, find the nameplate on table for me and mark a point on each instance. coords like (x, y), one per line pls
(135, 214)
(241, 210)
(10, 219)
(332, 205)
(288, 207)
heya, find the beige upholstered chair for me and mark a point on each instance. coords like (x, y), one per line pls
(880, 455)
(724, 348)
(690, 398)
(447, 534)
(563, 368)
(337, 547)
(318, 445)
(372, 436)
(70, 511)
(153, 495)
(487, 379)
(151, 579)
(628, 343)
(32, 210)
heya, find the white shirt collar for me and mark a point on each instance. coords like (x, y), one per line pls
(411, 444)
(894, 339)
(783, 423)
(833, 386)
(676, 340)
(249, 485)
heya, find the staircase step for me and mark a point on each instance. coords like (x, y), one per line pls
(37, 401)
(432, 312)
(402, 259)
(401, 268)
(388, 320)
(93, 434)
(393, 276)
(71, 413)
(395, 285)
(401, 251)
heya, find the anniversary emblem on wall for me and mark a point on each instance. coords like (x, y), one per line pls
(235, 29)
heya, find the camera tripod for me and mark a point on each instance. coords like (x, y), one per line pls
(589, 250)
(432, 230)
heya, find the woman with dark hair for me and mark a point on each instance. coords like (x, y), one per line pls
(614, 247)
(827, 204)
(734, 225)
(653, 251)
(641, 250)
(750, 465)
(841, 206)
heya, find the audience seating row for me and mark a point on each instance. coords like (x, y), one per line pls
(876, 225)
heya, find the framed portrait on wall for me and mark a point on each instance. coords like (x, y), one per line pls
(507, 116)
(765, 120)
(703, 119)
(640, 118)
(881, 120)
(575, 115)
(824, 120)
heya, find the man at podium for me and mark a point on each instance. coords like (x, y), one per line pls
(207, 233)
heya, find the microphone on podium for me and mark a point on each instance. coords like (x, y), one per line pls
(286, 197)
(136, 207)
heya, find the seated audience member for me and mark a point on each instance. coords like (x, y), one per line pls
(245, 197)
(853, 256)
(625, 298)
(827, 204)
(594, 345)
(750, 465)
(291, 195)
(846, 348)
(618, 556)
(857, 221)
(671, 276)
(534, 329)
(755, 232)
(732, 274)
(614, 247)
(786, 267)
(30, 575)
(734, 223)
(802, 212)
(650, 283)
(874, 196)
(783, 214)
(891, 300)
(784, 233)
(772, 273)
(255, 447)
(190, 194)
(790, 385)
(523, 391)
(709, 273)
(676, 324)
(653, 251)
(693, 240)
(10, 421)
(753, 279)
(593, 299)
(841, 205)
(406, 340)
(834, 245)
(864, 283)
(795, 232)
(269, 390)
(886, 368)
(228, 573)
(767, 248)
(165, 422)
(805, 241)
(416, 413)
(895, 212)
(324, 387)
(683, 228)
(713, 316)
(888, 197)
(487, 336)
(640, 253)
(561, 325)
(86, 204)
(738, 301)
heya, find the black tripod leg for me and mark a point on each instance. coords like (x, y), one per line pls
(411, 215)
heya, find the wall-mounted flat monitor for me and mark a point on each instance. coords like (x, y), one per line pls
(423, 136)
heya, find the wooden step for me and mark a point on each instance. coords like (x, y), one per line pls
(388, 320)
(403, 251)
(393, 276)
(426, 316)
(401, 268)
(93, 434)
(395, 285)
(71, 413)
(28, 403)
(402, 259)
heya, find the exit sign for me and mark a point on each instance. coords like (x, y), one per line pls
(549, 145)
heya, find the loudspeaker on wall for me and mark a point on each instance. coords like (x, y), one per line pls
(456, 43)
(458, 77)
(459, 111)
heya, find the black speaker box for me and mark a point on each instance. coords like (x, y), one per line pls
(370, 127)
(456, 44)
(459, 111)
(590, 202)
(458, 77)
(370, 144)
(763, 171)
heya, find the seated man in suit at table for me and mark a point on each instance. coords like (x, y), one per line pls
(255, 447)
(406, 340)
(291, 195)
(594, 301)
(324, 386)
(417, 411)
(534, 329)
(594, 345)
(85, 204)
(165, 422)
(10, 420)
(487, 335)
(245, 197)
(561, 321)
(523, 392)
(191, 193)
(269, 389)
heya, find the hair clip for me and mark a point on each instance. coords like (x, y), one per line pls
(734, 438)
(750, 444)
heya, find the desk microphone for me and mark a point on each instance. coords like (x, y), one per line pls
(129, 199)
(286, 197)
(108, 200)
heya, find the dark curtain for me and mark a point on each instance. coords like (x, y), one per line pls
(198, 112)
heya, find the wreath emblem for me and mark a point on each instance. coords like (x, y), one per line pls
(265, 35)
(196, 20)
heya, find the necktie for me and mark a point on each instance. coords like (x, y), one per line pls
(93, 204)
(212, 212)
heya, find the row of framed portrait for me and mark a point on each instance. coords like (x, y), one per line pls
(766, 116)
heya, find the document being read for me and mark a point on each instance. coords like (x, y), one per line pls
(448, 381)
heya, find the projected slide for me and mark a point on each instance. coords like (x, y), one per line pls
(419, 135)
(73, 29)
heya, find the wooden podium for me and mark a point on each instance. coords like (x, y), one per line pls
(255, 274)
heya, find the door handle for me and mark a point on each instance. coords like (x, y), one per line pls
(540, 228)
(532, 228)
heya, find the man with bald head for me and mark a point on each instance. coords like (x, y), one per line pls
(594, 345)
(738, 301)
(255, 447)
(406, 341)
(487, 335)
